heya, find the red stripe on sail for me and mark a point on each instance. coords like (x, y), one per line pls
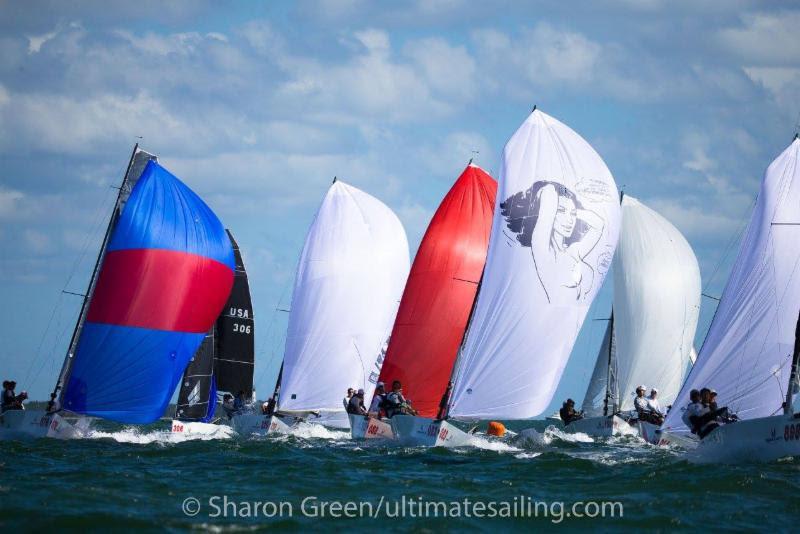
(160, 289)
(440, 290)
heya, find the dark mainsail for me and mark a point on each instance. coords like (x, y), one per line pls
(197, 384)
(225, 360)
(235, 335)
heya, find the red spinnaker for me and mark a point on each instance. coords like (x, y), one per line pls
(440, 290)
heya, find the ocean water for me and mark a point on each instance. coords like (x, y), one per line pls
(143, 478)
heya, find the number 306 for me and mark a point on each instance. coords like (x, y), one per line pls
(242, 329)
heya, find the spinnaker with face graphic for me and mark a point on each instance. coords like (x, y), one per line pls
(553, 237)
(224, 362)
(347, 289)
(750, 354)
(655, 311)
(440, 293)
(163, 273)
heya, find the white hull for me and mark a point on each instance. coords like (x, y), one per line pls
(251, 424)
(22, 424)
(760, 440)
(684, 440)
(370, 428)
(647, 431)
(602, 427)
(427, 432)
(195, 428)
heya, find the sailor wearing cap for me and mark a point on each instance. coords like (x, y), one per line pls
(640, 402)
(652, 402)
(377, 400)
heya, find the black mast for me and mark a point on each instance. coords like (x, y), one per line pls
(66, 367)
(610, 363)
(787, 407)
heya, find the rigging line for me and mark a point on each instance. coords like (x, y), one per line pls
(734, 239)
(93, 229)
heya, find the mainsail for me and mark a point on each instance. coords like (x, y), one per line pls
(440, 292)
(235, 335)
(161, 281)
(196, 397)
(602, 389)
(225, 359)
(747, 353)
(656, 304)
(552, 242)
(346, 292)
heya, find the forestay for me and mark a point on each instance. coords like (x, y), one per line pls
(747, 353)
(656, 304)
(553, 237)
(349, 280)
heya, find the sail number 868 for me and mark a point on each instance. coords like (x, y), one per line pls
(241, 328)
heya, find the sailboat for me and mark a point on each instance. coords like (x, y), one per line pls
(346, 291)
(437, 299)
(650, 335)
(552, 241)
(750, 354)
(163, 273)
(224, 363)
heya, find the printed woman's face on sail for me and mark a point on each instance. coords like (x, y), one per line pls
(566, 217)
(550, 219)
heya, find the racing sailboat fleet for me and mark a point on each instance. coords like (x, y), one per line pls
(480, 328)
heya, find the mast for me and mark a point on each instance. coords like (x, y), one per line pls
(68, 359)
(444, 405)
(610, 364)
(788, 408)
(611, 345)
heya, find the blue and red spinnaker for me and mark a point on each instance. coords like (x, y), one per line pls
(166, 275)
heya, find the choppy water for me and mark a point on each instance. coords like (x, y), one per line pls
(139, 478)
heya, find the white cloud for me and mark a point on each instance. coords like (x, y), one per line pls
(35, 42)
(764, 39)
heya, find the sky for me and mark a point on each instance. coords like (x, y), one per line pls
(256, 106)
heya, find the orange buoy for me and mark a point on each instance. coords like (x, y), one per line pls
(496, 429)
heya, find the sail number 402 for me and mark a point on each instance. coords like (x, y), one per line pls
(241, 328)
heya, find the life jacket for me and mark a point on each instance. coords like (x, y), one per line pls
(392, 404)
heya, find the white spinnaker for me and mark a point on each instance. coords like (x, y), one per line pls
(656, 304)
(349, 281)
(553, 238)
(747, 353)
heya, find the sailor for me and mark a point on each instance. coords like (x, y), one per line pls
(568, 413)
(640, 402)
(8, 396)
(346, 400)
(240, 404)
(691, 409)
(12, 401)
(653, 404)
(53, 405)
(396, 403)
(377, 400)
(356, 404)
(228, 405)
